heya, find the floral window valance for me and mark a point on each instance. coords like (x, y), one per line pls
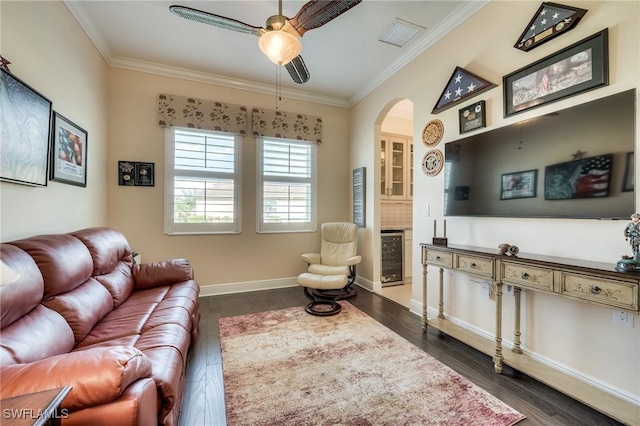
(286, 125)
(197, 113)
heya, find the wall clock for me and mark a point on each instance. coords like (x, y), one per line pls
(432, 133)
(432, 162)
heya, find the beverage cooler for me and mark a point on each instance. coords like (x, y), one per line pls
(392, 265)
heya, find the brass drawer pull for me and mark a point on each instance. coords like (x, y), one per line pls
(594, 289)
(525, 276)
(474, 265)
(438, 258)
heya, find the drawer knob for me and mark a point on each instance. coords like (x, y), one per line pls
(474, 265)
(525, 276)
(438, 258)
(594, 289)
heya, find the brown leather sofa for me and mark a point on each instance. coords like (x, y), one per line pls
(82, 314)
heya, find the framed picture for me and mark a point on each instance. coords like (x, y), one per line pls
(580, 67)
(473, 117)
(136, 173)
(629, 173)
(519, 185)
(24, 141)
(584, 178)
(68, 152)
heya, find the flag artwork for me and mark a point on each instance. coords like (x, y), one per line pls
(461, 86)
(585, 178)
(549, 21)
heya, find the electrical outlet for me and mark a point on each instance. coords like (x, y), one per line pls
(622, 318)
(507, 289)
(427, 210)
(485, 288)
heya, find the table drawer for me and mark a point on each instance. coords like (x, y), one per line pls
(527, 276)
(482, 266)
(441, 258)
(617, 294)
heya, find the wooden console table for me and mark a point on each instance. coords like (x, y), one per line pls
(597, 283)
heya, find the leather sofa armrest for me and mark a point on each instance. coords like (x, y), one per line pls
(97, 376)
(157, 274)
(354, 260)
(311, 258)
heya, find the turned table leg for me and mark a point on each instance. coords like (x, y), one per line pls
(517, 292)
(441, 301)
(497, 359)
(425, 320)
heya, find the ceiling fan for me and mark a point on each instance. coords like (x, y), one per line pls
(279, 38)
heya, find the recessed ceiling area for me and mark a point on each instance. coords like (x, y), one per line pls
(344, 57)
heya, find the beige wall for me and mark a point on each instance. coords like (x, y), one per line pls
(218, 259)
(577, 337)
(49, 51)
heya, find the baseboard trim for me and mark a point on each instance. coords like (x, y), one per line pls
(247, 286)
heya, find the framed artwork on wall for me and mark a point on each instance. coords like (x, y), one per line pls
(24, 143)
(549, 21)
(68, 152)
(519, 185)
(578, 68)
(472, 117)
(585, 178)
(136, 173)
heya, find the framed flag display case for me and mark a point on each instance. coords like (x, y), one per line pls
(461, 86)
(551, 20)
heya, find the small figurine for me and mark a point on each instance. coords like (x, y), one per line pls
(508, 249)
(631, 234)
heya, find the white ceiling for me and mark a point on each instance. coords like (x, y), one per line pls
(344, 57)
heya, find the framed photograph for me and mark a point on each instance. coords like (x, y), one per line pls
(24, 141)
(584, 178)
(580, 67)
(629, 173)
(473, 117)
(136, 173)
(68, 152)
(519, 185)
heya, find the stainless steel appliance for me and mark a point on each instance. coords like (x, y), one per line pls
(392, 265)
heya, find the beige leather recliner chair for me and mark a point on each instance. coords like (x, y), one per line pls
(331, 272)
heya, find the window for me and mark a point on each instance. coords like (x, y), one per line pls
(286, 186)
(203, 185)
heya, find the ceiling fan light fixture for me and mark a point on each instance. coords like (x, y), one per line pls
(279, 46)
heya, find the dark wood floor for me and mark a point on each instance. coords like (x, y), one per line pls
(203, 402)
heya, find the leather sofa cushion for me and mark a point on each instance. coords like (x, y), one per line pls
(168, 272)
(39, 334)
(65, 263)
(82, 307)
(119, 282)
(107, 246)
(98, 376)
(24, 294)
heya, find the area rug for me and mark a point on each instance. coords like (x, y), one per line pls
(287, 367)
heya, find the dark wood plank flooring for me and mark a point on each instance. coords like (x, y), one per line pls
(203, 402)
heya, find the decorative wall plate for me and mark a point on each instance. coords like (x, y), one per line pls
(432, 162)
(432, 133)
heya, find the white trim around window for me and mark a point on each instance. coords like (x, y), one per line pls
(203, 185)
(286, 185)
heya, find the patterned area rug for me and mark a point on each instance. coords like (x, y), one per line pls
(290, 368)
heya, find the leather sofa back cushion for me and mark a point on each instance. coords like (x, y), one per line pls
(149, 275)
(82, 307)
(119, 282)
(64, 261)
(39, 334)
(107, 246)
(24, 294)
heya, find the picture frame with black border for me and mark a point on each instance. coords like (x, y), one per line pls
(578, 68)
(136, 173)
(26, 117)
(69, 143)
(519, 185)
(473, 117)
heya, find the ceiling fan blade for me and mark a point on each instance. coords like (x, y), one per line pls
(215, 20)
(316, 13)
(298, 70)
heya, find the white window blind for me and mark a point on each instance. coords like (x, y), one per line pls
(203, 189)
(286, 186)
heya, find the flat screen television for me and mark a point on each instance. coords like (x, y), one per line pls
(573, 163)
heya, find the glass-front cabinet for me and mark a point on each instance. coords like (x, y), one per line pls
(396, 159)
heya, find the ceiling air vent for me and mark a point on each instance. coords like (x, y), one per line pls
(400, 32)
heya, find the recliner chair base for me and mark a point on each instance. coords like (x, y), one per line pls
(332, 307)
